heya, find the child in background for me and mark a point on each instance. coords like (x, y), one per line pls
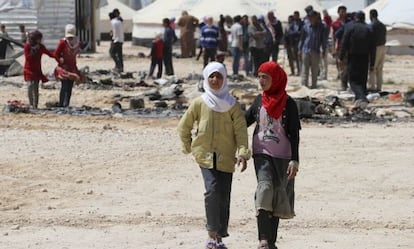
(33, 51)
(221, 132)
(156, 55)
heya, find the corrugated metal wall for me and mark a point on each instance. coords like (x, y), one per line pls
(13, 18)
(53, 15)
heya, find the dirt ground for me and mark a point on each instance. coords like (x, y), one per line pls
(108, 182)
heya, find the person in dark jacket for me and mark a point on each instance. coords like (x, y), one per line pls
(380, 37)
(169, 39)
(275, 26)
(292, 37)
(359, 44)
(275, 151)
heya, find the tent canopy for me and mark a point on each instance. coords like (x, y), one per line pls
(160, 9)
(147, 21)
(394, 13)
(397, 16)
(127, 13)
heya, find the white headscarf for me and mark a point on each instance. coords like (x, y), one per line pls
(220, 100)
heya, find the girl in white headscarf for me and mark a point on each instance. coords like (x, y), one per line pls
(221, 134)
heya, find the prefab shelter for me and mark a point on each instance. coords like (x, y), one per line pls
(50, 17)
(397, 15)
(147, 21)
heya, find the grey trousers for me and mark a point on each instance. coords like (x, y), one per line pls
(310, 61)
(33, 93)
(270, 173)
(217, 200)
(324, 66)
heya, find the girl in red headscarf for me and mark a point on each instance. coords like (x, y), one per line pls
(275, 151)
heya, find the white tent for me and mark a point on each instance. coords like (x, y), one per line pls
(284, 8)
(127, 14)
(147, 21)
(397, 16)
(333, 11)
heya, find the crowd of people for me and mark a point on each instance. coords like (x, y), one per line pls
(308, 41)
(221, 136)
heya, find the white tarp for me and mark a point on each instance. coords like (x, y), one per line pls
(127, 14)
(284, 8)
(147, 21)
(394, 13)
(397, 15)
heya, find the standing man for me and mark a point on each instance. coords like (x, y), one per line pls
(359, 44)
(117, 40)
(299, 22)
(337, 25)
(275, 27)
(256, 44)
(188, 25)
(327, 22)
(311, 42)
(236, 43)
(246, 52)
(292, 37)
(380, 37)
(169, 39)
(209, 40)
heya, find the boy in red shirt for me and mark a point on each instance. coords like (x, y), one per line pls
(156, 55)
(33, 51)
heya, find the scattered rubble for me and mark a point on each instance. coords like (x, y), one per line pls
(165, 97)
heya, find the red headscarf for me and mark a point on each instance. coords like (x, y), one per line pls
(274, 100)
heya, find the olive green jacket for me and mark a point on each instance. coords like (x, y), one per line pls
(221, 133)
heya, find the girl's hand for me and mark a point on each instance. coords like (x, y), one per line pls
(243, 162)
(292, 170)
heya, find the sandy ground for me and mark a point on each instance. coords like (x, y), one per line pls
(104, 182)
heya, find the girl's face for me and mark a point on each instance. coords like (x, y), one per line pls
(265, 81)
(215, 81)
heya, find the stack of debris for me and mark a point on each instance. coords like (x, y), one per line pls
(8, 64)
(15, 106)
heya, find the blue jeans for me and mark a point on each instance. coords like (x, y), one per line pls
(236, 59)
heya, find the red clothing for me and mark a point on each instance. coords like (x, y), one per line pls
(328, 21)
(157, 49)
(32, 65)
(335, 27)
(274, 100)
(66, 54)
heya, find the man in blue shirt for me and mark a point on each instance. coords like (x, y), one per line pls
(209, 40)
(312, 40)
(169, 39)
